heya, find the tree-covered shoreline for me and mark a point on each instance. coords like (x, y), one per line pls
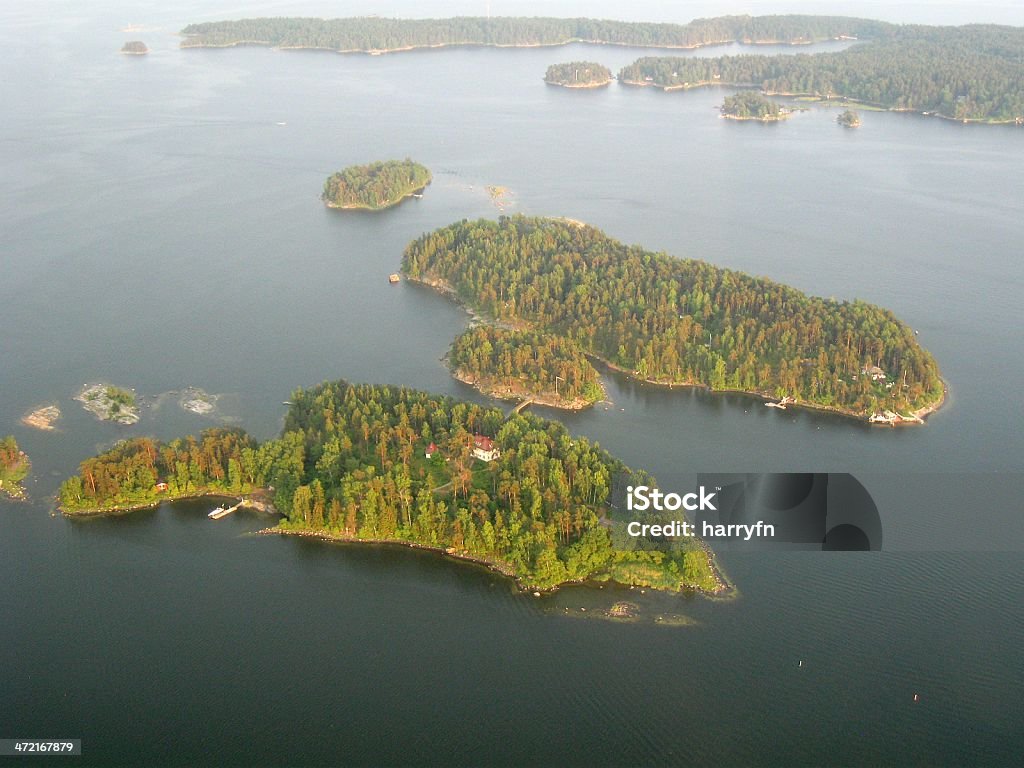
(751, 105)
(681, 321)
(379, 35)
(525, 364)
(578, 74)
(375, 186)
(970, 73)
(386, 464)
(14, 468)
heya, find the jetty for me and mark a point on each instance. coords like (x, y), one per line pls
(218, 512)
(519, 408)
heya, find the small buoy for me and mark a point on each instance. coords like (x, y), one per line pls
(801, 663)
(916, 697)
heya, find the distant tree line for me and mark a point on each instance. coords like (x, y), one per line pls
(382, 34)
(973, 72)
(676, 320)
(376, 185)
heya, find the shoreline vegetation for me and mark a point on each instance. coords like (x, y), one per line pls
(375, 186)
(14, 468)
(380, 464)
(134, 48)
(751, 105)
(375, 36)
(663, 320)
(109, 403)
(578, 74)
(967, 74)
(525, 365)
(848, 119)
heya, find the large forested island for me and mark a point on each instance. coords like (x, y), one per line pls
(578, 74)
(14, 468)
(387, 464)
(375, 186)
(751, 105)
(682, 321)
(972, 73)
(378, 35)
(525, 365)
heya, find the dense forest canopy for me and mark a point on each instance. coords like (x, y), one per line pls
(376, 185)
(352, 462)
(680, 320)
(578, 74)
(972, 72)
(381, 34)
(525, 363)
(751, 105)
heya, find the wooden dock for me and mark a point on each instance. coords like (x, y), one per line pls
(519, 407)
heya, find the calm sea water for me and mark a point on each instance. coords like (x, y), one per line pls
(160, 228)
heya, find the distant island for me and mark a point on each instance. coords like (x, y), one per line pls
(677, 321)
(751, 105)
(14, 468)
(135, 48)
(970, 74)
(375, 186)
(382, 464)
(525, 365)
(578, 74)
(375, 35)
(849, 119)
(109, 403)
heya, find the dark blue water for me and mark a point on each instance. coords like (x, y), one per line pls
(160, 229)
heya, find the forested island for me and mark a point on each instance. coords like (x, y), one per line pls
(849, 119)
(135, 48)
(971, 73)
(578, 74)
(14, 468)
(367, 34)
(525, 365)
(375, 186)
(681, 321)
(366, 463)
(751, 105)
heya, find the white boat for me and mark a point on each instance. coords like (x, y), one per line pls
(217, 513)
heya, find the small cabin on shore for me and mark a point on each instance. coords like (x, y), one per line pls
(160, 487)
(431, 450)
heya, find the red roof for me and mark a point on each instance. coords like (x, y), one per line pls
(431, 448)
(483, 443)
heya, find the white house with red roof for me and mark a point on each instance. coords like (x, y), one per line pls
(484, 448)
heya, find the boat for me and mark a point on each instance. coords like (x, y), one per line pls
(780, 406)
(394, 277)
(216, 513)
